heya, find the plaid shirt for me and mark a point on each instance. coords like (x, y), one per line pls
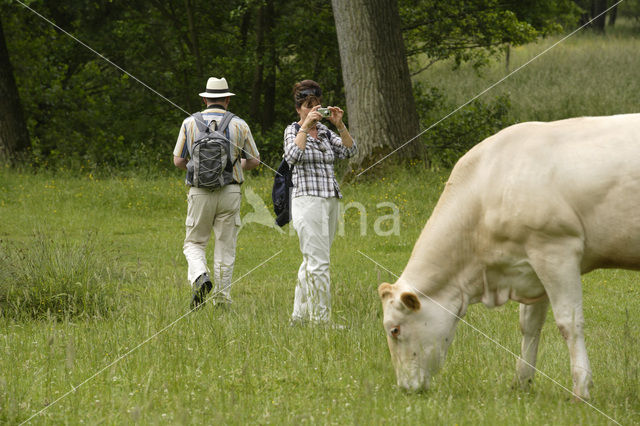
(313, 174)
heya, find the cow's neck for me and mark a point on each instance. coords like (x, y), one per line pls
(451, 259)
(443, 262)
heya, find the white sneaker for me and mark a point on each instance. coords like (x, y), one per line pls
(297, 322)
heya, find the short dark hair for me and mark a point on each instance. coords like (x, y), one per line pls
(212, 101)
(306, 91)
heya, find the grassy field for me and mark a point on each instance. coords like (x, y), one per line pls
(584, 75)
(102, 332)
(246, 365)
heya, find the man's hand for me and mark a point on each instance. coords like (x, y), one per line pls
(249, 163)
(180, 162)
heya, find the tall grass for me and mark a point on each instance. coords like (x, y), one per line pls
(583, 75)
(54, 277)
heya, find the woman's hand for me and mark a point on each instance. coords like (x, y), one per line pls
(312, 118)
(336, 116)
(336, 120)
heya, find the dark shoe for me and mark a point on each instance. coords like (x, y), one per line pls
(201, 288)
(222, 303)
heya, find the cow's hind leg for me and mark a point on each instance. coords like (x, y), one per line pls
(531, 320)
(557, 266)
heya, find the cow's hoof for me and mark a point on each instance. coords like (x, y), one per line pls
(522, 384)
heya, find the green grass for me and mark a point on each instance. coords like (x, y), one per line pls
(246, 365)
(54, 277)
(583, 75)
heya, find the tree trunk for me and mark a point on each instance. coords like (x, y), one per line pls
(507, 56)
(193, 37)
(14, 137)
(263, 92)
(269, 87)
(597, 7)
(381, 109)
(613, 14)
(258, 71)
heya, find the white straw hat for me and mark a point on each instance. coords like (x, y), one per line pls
(217, 88)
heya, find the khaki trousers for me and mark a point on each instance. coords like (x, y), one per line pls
(315, 220)
(218, 211)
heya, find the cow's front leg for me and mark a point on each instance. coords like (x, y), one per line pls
(570, 321)
(531, 320)
(557, 264)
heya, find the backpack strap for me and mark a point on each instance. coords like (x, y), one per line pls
(224, 122)
(297, 127)
(200, 123)
(222, 128)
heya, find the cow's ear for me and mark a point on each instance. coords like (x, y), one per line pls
(385, 290)
(410, 300)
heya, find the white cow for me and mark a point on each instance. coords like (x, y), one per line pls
(523, 215)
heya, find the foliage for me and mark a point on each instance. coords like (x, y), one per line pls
(447, 140)
(473, 30)
(84, 112)
(631, 9)
(548, 17)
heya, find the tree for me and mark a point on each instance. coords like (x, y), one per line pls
(613, 15)
(14, 137)
(593, 10)
(264, 77)
(473, 30)
(631, 9)
(598, 8)
(382, 111)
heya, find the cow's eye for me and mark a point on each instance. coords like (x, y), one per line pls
(395, 331)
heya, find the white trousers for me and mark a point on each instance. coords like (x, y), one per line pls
(218, 211)
(315, 220)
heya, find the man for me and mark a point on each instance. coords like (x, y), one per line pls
(217, 210)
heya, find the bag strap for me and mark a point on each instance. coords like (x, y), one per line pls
(297, 127)
(224, 122)
(200, 123)
(202, 126)
(222, 128)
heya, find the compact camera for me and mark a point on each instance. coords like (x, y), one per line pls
(325, 112)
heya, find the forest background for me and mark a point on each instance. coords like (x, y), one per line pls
(75, 111)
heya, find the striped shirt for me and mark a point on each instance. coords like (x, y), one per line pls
(314, 174)
(242, 143)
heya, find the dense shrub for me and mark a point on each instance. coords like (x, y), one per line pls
(449, 138)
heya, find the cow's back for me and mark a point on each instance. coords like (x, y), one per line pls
(570, 178)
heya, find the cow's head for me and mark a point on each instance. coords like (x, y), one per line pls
(419, 332)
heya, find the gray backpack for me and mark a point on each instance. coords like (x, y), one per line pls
(210, 164)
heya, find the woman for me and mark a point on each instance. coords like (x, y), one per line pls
(312, 148)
